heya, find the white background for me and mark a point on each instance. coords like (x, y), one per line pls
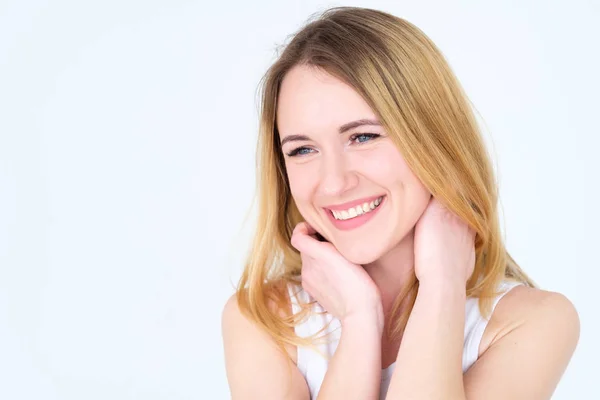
(127, 138)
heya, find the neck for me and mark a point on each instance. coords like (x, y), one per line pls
(391, 271)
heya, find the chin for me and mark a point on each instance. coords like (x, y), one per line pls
(361, 254)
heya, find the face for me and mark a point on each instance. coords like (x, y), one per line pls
(348, 179)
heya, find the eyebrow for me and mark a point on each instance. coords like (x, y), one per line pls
(344, 128)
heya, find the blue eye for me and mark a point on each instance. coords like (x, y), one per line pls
(357, 138)
(302, 151)
(363, 137)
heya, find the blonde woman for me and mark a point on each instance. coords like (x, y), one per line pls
(378, 268)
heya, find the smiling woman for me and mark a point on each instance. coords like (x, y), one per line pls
(378, 268)
(330, 169)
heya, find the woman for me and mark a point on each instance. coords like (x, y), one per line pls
(378, 268)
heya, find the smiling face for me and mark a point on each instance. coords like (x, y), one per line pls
(347, 177)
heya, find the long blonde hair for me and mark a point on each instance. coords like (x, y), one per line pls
(407, 82)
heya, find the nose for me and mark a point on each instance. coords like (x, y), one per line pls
(335, 175)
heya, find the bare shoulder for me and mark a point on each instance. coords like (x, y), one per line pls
(527, 345)
(535, 310)
(255, 365)
(232, 316)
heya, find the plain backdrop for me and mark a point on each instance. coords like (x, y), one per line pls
(127, 144)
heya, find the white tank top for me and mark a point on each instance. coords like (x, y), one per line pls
(313, 366)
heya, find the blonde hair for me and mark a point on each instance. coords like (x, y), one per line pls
(407, 82)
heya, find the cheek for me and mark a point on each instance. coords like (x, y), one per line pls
(389, 169)
(385, 166)
(415, 196)
(302, 183)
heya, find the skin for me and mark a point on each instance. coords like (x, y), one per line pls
(357, 273)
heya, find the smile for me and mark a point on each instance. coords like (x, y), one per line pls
(356, 211)
(354, 214)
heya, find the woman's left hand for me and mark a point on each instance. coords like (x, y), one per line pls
(444, 245)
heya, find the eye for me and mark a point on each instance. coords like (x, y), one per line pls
(363, 137)
(300, 151)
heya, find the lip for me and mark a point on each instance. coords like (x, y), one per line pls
(358, 221)
(353, 203)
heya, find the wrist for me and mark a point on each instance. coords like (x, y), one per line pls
(439, 280)
(365, 321)
(443, 287)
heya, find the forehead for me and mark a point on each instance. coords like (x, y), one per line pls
(312, 101)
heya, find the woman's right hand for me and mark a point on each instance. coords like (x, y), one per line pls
(342, 288)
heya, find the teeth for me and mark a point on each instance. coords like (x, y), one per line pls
(357, 211)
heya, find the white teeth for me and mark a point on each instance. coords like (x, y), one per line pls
(357, 211)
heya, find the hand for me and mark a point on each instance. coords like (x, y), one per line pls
(344, 289)
(444, 245)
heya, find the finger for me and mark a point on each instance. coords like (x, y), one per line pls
(302, 240)
(307, 229)
(309, 244)
(304, 228)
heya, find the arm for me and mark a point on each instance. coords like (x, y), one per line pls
(347, 292)
(256, 368)
(429, 363)
(538, 333)
(355, 369)
(525, 361)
